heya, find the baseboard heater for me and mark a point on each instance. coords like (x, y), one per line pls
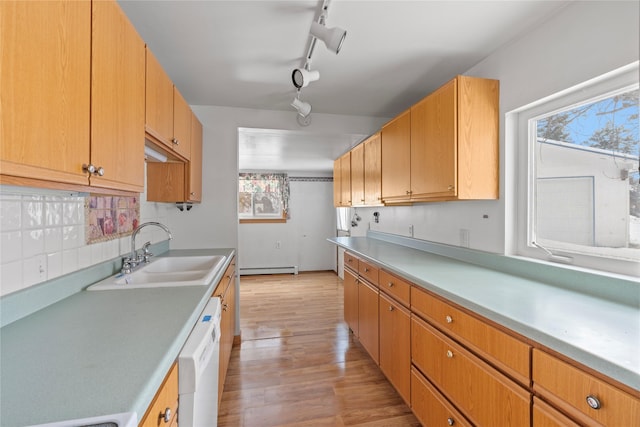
(269, 270)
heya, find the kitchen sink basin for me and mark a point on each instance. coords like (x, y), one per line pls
(166, 272)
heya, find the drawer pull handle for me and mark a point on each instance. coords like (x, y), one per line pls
(390, 308)
(593, 402)
(450, 421)
(449, 319)
(366, 270)
(391, 284)
(449, 354)
(166, 417)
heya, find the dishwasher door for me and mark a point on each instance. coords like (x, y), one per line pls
(198, 370)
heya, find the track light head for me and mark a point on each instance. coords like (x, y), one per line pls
(301, 77)
(332, 37)
(304, 108)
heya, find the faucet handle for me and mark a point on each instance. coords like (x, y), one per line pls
(146, 254)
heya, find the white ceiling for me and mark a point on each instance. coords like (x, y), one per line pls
(241, 54)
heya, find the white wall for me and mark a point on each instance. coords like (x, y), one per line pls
(582, 41)
(302, 239)
(214, 222)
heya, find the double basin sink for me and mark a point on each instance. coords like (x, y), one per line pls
(166, 272)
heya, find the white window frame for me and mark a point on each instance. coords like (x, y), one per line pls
(520, 124)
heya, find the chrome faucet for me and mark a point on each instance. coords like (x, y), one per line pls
(129, 263)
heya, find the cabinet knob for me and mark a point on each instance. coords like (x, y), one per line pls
(362, 200)
(192, 193)
(451, 187)
(390, 284)
(390, 308)
(450, 421)
(593, 402)
(166, 416)
(92, 170)
(175, 141)
(366, 270)
(449, 319)
(449, 354)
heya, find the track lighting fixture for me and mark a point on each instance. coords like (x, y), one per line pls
(301, 77)
(304, 108)
(332, 37)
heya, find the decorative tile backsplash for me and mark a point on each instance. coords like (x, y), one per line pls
(110, 217)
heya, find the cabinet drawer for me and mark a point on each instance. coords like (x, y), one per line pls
(398, 288)
(165, 398)
(483, 394)
(502, 350)
(432, 408)
(351, 261)
(545, 416)
(570, 388)
(368, 271)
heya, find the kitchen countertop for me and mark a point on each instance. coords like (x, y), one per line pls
(97, 352)
(601, 334)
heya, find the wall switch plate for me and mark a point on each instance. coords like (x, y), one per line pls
(278, 244)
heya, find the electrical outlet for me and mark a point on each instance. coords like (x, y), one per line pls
(278, 244)
(411, 230)
(464, 237)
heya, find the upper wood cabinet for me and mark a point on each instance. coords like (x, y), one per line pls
(159, 102)
(396, 158)
(168, 116)
(178, 181)
(342, 181)
(365, 172)
(373, 170)
(357, 175)
(72, 80)
(194, 167)
(45, 87)
(454, 141)
(117, 99)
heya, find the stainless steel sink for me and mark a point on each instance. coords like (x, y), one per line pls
(166, 272)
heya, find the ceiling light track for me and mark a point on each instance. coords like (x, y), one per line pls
(333, 39)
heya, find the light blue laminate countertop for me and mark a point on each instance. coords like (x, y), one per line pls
(599, 333)
(97, 352)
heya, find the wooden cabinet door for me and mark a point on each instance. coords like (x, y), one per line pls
(181, 125)
(345, 179)
(337, 190)
(372, 170)
(351, 301)
(159, 102)
(368, 319)
(45, 75)
(117, 99)
(433, 143)
(357, 175)
(194, 192)
(396, 158)
(431, 408)
(395, 345)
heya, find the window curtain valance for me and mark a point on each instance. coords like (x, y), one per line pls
(267, 183)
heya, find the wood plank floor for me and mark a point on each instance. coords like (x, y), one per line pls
(298, 365)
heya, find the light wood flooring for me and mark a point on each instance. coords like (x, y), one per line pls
(298, 365)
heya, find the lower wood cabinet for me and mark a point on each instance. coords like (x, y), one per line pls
(226, 291)
(431, 407)
(351, 301)
(486, 396)
(368, 318)
(544, 415)
(163, 410)
(584, 397)
(395, 345)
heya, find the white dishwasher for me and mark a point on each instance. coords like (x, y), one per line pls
(198, 370)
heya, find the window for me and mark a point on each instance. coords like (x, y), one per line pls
(263, 197)
(578, 190)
